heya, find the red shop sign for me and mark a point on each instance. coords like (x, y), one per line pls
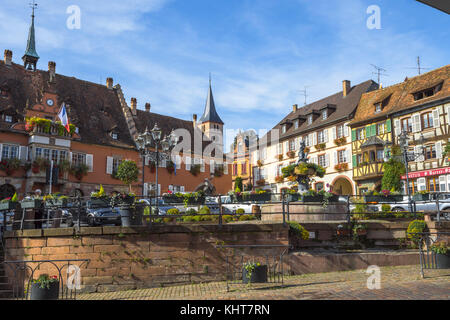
(427, 173)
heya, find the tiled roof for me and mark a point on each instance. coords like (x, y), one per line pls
(341, 108)
(92, 107)
(401, 96)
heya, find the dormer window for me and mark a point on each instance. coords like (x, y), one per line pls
(8, 119)
(324, 114)
(310, 119)
(283, 129)
(114, 135)
(296, 124)
(378, 107)
(427, 92)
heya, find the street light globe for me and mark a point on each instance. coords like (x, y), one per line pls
(156, 133)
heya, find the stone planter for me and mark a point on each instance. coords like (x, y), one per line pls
(258, 275)
(442, 261)
(31, 204)
(38, 293)
(7, 206)
(56, 203)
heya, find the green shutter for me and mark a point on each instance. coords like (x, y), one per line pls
(354, 161)
(388, 126)
(367, 130)
(353, 135)
(374, 130)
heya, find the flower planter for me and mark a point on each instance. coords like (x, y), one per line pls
(196, 201)
(31, 204)
(442, 261)
(10, 205)
(125, 215)
(172, 199)
(391, 199)
(257, 197)
(421, 197)
(292, 197)
(258, 275)
(38, 293)
(56, 203)
(319, 199)
(343, 233)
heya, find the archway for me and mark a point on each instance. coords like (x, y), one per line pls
(7, 191)
(342, 186)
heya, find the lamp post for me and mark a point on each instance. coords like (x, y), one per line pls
(403, 141)
(154, 138)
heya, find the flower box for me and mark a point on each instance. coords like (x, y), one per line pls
(442, 261)
(38, 293)
(193, 200)
(257, 197)
(10, 205)
(319, 198)
(390, 198)
(172, 199)
(292, 197)
(258, 275)
(56, 203)
(31, 204)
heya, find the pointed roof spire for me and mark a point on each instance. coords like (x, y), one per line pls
(31, 57)
(210, 114)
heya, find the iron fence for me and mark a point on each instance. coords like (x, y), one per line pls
(429, 258)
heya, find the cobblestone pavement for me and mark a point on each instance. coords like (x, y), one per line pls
(396, 283)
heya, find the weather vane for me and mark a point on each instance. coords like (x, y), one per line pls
(33, 6)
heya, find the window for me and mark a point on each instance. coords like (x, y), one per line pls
(381, 128)
(340, 131)
(279, 172)
(240, 147)
(114, 135)
(359, 159)
(8, 118)
(380, 155)
(296, 124)
(116, 164)
(52, 154)
(321, 136)
(323, 160)
(407, 125)
(427, 120)
(291, 145)
(283, 129)
(377, 107)
(324, 114)
(342, 156)
(235, 169)
(433, 184)
(306, 139)
(280, 148)
(360, 134)
(310, 119)
(427, 92)
(78, 159)
(243, 168)
(319, 186)
(430, 152)
(10, 151)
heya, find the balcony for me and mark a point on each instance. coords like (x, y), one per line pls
(39, 126)
(368, 170)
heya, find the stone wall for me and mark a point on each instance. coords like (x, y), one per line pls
(128, 258)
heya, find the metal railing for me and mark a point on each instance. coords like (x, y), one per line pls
(85, 211)
(428, 257)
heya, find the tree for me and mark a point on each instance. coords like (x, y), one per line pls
(238, 183)
(393, 170)
(128, 172)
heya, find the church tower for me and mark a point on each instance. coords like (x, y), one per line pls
(210, 123)
(31, 57)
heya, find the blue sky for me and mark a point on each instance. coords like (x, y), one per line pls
(260, 52)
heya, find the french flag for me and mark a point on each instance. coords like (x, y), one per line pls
(63, 117)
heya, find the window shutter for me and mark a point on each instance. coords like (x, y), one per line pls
(448, 182)
(327, 160)
(336, 159)
(23, 153)
(109, 165)
(346, 130)
(436, 118)
(417, 126)
(314, 138)
(202, 165)
(354, 160)
(347, 155)
(442, 183)
(159, 190)
(367, 130)
(325, 132)
(147, 160)
(211, 166)
(178, 161)
(388, 126)
(353, 135)
(188, 163)
(334, 130)
(439, 150)
(1, 151)
(70, 157)
(90, 162)
(419, 154)
(171, 188)
(397, 127)
(448, 115)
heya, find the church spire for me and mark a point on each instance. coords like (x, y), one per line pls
(210, 114)
(31, 57)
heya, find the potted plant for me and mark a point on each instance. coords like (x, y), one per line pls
(261, 182)
(291, 154)
(100, 199)
(360, 230)
(442, 255)
(128, 172)
(340, 141)
(254, 273)
(415, 230)
(341, 231)
(259, 163)
(170, 197)
(279, 157)
(45, 288)
(291, 195)
(279, 179)
(55, 200)
(170, 166)
(321, 146)
(9, 203)
(32, 203)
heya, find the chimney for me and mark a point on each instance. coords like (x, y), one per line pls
(109, 83)
(346, 85)
(52, 70)
(133, 106)
(194, 120)
(8, 57)
(295, 108)
(147, 107)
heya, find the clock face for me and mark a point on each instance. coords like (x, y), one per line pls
(50, 102)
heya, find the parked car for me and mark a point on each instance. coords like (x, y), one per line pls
(91, 215)
(430, 205)
(9, 215)
(162, 206)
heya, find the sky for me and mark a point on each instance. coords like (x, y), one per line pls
(261, 53)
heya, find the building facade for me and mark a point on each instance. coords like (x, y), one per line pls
(242, 158)
(323, 125)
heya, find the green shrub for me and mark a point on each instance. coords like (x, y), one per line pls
(204, 210)
(227, 218)
(247, 217)
(191, 211)
(173, 211)
(240, 211)
(190, 219)
(386, 207)
(298, 229)
(414, 228)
